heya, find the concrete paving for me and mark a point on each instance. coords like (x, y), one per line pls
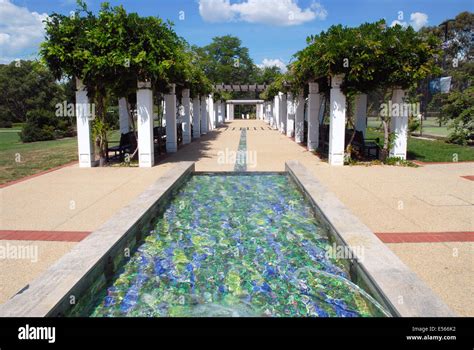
(433, 198)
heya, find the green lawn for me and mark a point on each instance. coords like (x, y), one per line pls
(431, 151)
(430, 127)
(19, 159)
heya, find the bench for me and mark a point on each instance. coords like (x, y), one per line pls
(366, 147)
(127, 144)
(159, 139)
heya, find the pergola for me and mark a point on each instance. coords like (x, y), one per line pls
(202, 112)
(258, 107)
(241, 87)
(285, 113)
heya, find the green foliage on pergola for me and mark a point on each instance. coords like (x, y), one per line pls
(370, 56)
(113, 50)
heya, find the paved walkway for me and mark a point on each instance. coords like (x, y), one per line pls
(392, 201)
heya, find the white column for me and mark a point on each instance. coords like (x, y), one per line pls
(219, 113)
(337, 122)
(361, 112)
(145, 125)
(123, 116)
(186, 101)
(83, 120)
(196, 117)
(170, 115)
(269, 113)
(211, 120)
(275, 115)
(290, 115)
(314, 100)
(204, 115)
(227, 106)
(277, 112)
(282, 115)
(299, 118)
(399, 124)
(232, 115)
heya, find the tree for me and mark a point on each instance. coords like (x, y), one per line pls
(227, 61)
(459, 107)
(267, 75)
(456, 62)
(26, 86)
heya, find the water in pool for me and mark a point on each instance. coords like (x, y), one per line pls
(235, 245)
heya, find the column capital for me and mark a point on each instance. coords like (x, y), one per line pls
(313, 88)
(172, 89)
(80, 85)
(336, 80)
(144, 84)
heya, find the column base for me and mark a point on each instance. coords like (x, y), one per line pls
(398, 155)
(336, 159)
(145, 160)
(171, 147)
(312, 146)
(85, 161)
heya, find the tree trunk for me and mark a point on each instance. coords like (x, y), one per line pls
(101, 128)
(386, 140)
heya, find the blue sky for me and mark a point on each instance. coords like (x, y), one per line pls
(273, 30)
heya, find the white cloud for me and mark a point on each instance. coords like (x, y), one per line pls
(417, 21)
(20, 30)
(269, 62)
(216, 10)
(281, 12)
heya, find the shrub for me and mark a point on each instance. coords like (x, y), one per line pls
(413, 124)
(459, 107)
(40, 126)
(32, 132)
(6, 124)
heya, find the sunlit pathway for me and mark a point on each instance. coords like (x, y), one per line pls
(433, 198)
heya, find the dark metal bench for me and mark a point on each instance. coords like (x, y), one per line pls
(366, 147)
(127, 144)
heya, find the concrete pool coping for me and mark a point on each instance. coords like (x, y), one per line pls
(386, 276)
(51, 293)
(76, 272)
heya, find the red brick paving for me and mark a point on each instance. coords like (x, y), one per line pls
(419, 162)
(61, 236)
(425, 237)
